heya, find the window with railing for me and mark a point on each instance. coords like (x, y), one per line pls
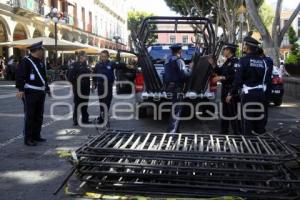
(30, 5)
(185, 39)
(172, 39)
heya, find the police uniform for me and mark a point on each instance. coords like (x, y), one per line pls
(107, 70)
(229, 110)
(80, 68)
(31, 79)
(251, 78)
(269, 63)
(174, 76)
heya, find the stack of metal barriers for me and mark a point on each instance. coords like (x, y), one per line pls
(187, 165)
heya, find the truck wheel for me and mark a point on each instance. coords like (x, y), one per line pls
(277, 102)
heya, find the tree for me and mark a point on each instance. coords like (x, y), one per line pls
(294, 56)
(135, 19)
(293, 40)
(266, 12)
(224, 13)
(272, 39)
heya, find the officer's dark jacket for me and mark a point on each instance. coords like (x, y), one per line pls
(269, 63)
(105, 68)
(175, 71)
(250, 72)
(25, 68)
(228, 70)
(77, 69)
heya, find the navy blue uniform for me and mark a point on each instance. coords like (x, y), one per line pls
(174, 76)
(228, 70)
(107, 70)
(269, 63)
(28, 80)
(252, 77)
(75, 71)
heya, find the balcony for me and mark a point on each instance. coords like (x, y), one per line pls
(27, 7)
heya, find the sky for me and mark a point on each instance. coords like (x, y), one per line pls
(159, 7)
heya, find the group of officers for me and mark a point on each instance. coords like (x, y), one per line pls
(243, 80)
(245, 83)
(31, 81)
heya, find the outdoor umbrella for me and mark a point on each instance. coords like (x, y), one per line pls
(48, 43)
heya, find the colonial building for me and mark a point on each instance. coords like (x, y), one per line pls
(94, 22)
(171, 38)
(285, 45)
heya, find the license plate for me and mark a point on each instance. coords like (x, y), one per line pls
(276, 91)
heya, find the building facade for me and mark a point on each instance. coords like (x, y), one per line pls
(94, 22)
(172, 38)
(285, 45)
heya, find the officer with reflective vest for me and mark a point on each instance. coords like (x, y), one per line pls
(226, 74)
(175, 73)
(79, 76)
(251, 77)
(104, 84)
(32, 85)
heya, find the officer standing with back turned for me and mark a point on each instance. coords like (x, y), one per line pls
(32, 84)
(226, 74)
(174, 77)
(81, 88)
(251, 78)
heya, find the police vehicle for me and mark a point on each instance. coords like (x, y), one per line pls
(149, 85)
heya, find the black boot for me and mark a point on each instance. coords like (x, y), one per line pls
(29, 142)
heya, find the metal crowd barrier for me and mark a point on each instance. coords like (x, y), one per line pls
(187, 165)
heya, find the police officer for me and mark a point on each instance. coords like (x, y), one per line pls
(106, 68)
(81, 87)
(225, 74)
(251, 78)
(174, 77)
(32, 85)
(269, 62)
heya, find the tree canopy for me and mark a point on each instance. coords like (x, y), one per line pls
(223, 13)
(135, 19)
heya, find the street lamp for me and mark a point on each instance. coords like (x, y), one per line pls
(56, 17)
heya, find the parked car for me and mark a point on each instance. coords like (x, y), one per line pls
(276, 90)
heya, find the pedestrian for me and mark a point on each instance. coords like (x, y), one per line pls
(32, 85)
(81, 88)
(2, 66)
(251, 78)
(106, 68)
(226, 74)
(174, 78)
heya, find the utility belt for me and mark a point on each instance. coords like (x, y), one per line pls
(246, 89)
(29, 86)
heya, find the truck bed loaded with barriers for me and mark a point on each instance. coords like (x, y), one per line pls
(151, 58)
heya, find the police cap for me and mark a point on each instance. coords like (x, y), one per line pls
(175, 47)
(251, 41)
(230, 46)
(35, 46)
